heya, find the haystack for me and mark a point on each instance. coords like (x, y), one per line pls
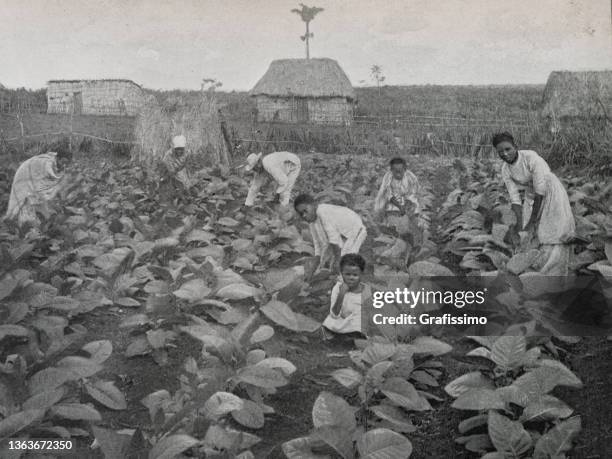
(199, 123)
(304, 91)
(578, 95)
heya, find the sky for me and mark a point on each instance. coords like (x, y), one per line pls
(164, 44)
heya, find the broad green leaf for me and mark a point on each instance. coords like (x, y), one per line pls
(134, 320)
(193, 290)
(467, 382)
(19, 421)
(509, 351)
(226, 438)
(508, 436)
(338, 438)
(76, 412)
(261, 376)
(479, 399)
(278, 363)
(522, 261)
(565, 375)
(81, 366)
(383, 444)
(281, 314)
(222, 403)
(301, 448)
(44, 400)
(106, 393)
(99, 350)
(404, 394)
(429, 345)
(12, 330)
(377, 352)
(347, 377)
(547, 408)
(471, 423)
(113, 444)
(49, 379)
(7, 285)
(263, 333)
(394, 416)
(171, 446)
(558, 440)
(238, 292)
(250, 415)
(255, 356)
(331, 410)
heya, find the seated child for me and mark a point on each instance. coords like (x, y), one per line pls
(348, 297)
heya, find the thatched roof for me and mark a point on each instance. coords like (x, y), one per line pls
(304, 78)
(583, 94)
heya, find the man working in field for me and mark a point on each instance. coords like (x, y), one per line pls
(335, 230)
(36, 182)
(173, 163)
(281, 166)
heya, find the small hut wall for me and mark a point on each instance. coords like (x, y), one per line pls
(99, 97)
(332, 110)
(335, 110)
(275, 109)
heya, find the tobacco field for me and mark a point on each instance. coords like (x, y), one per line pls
(157, 325)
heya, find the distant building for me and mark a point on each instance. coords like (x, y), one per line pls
(569, 96)
(304, 91)
(94, 97)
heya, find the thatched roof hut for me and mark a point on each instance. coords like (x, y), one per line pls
(578, 95)
(304, 91)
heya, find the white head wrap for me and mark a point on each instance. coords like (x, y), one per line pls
(179, 141)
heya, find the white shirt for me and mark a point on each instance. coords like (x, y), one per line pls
(529, 172)
(332, 224)
(279, 165)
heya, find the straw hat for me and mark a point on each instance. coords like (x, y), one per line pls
(179, 141)
(252, 160)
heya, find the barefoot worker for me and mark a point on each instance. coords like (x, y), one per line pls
(336, 230)
(281, 166)
(398, 191)
(173, 163)
(36, 181)
(348, 297)
(545, 211)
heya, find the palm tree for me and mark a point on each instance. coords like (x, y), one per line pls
(307, 13)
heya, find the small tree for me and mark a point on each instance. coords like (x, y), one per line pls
(377, 76)
(307, 13)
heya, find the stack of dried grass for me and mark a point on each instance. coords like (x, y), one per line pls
(199, 123)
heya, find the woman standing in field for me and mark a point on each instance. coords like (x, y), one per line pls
(335, 230)
(36, 181)
(282, 166)
(545, 210)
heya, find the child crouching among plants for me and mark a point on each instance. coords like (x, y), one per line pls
(348, 297)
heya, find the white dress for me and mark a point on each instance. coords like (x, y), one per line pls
(36, 181)
(349, 319)
(531, 174)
